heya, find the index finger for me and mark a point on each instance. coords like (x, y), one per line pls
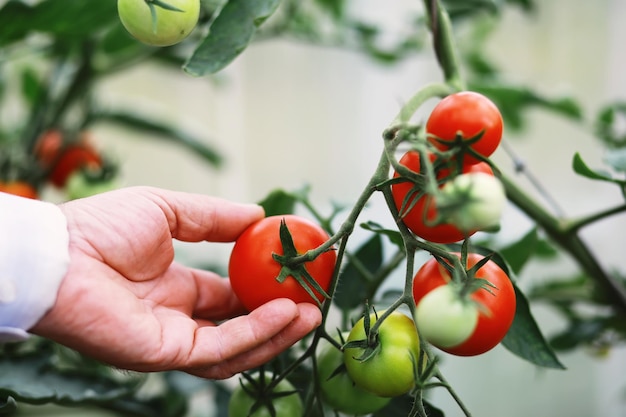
(196, 217)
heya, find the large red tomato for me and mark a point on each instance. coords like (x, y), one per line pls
(253, 270)
(424, 211)
(496, 306)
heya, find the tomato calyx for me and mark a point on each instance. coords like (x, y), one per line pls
(371, 344)
(153, 4)
(293, 266)
(460, 146)
(262, 389)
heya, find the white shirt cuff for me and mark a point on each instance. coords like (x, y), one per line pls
(34, 258)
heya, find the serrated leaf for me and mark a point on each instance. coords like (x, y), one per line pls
(525, 339)
(230, 33)
(354, 287)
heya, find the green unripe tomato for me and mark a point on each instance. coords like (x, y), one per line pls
(444, 318)
(170, 26)
(390, 371)
(339, 391)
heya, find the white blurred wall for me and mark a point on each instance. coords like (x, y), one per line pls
(287, 114)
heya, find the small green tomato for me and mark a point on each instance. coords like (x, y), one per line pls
(159, 22)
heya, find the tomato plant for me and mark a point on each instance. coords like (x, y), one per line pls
(419, 211)
(19, 188)
(468, 121)
(254, 398)
(159, 23)
(337, 388)
(253, 269)
(495, 303)
(386, 364)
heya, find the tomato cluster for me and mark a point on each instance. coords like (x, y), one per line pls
(464, 129)
(464, 323)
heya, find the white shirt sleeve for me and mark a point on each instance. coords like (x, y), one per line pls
(34, 258)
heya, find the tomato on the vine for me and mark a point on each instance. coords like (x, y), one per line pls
(338, 390)
(19, 188)
(253, 269)
(71, 159)
(477, 201)
(387, 368)
(466, 119)
(255, 400)
(495, 305)
(172, 25)
(423, 211)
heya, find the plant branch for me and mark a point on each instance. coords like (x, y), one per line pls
(568, 239)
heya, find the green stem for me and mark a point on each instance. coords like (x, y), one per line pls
(568, 239)
(577, 224)
(410, 107)
(444, 44)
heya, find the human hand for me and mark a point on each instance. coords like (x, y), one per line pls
(126, 302)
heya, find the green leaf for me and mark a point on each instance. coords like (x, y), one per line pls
(279, 202)
(32, 379)
(31, 86)
(402, 406)
(160, 130)
(581, 168)
(525, 340)
(229, 35)
(513, 100)
(518, 253)
(609, 124)
(355, 286)
(393, 235)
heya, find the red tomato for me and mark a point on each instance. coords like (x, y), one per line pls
(467, 113)
(73, 158)
(253, 270)
(20, 188)
(424, 210)
(497, 304)
(48, 146)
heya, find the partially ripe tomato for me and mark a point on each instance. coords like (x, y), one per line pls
(389, 372)
(423, 211)
(468, 114)
(496, 305)
(172, 24)
(283, 398)
(19, 188)
(339, 390)
(444, 318)
(483, 199)
(253, 270)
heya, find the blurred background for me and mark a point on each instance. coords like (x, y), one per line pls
(286, 114)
